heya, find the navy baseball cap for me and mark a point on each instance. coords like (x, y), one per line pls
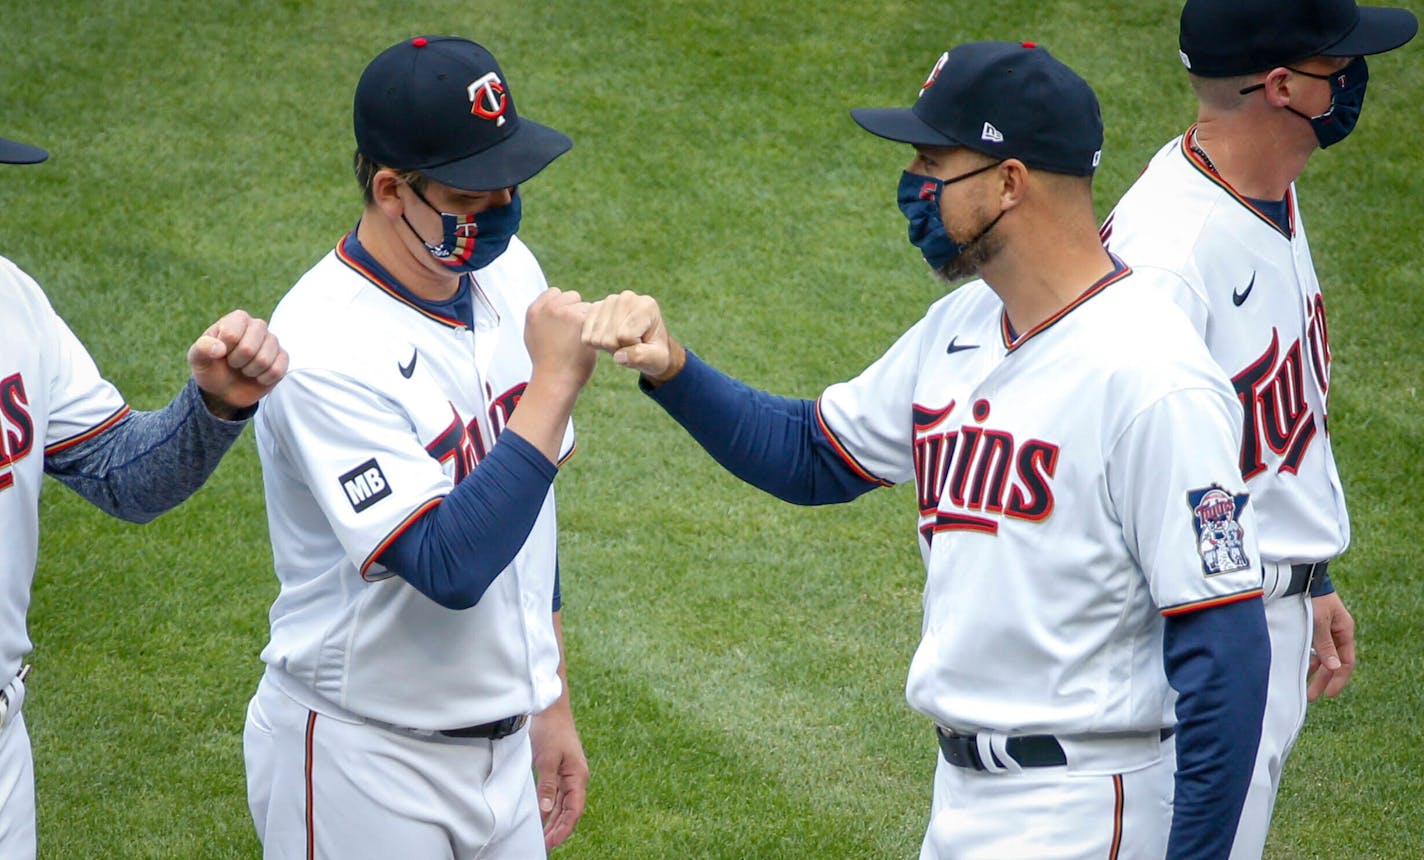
(14, 152)
(440, 106)
(1227, 38)
(1006, 100)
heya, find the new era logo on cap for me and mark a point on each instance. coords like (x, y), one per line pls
(991, 134)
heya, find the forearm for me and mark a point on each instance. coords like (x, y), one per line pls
(149, 462)
(1218, 660)
(454, 551)
(773, 443)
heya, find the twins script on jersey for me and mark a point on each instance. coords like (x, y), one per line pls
(1074, 483)
(1250, 289)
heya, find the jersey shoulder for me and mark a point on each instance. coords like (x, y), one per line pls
(332, 319)
(21, 294)
(1146, 338)
(1168, 215)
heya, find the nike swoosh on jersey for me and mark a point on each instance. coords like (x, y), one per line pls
(407, 369)
(1239, 299)
(955, 346)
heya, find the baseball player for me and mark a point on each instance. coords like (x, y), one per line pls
(415, 667)
(59, 417)
(1216, 214)
(1073, 447)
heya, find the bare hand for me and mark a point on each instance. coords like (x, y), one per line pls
(551, 334)
(631, 327)
(235, 362)
(1332, 657)
(561, 773)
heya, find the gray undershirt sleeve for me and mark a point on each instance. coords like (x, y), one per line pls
(149, 462)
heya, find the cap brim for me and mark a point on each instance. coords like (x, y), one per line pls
(13, 152)
(900, 124)
(517, 158)
(1380, 29)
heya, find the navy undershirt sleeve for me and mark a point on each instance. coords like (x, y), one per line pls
(1217, 660)
(149, 462)
(773, 443)
(1321, 586)
(455, 550)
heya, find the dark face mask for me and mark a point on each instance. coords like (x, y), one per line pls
(1347, 99)
(471, 242)
(918, 197)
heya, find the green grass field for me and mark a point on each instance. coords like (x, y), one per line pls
(738, 664)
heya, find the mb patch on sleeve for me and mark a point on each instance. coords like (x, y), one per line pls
(365, 485)
(1216, 516)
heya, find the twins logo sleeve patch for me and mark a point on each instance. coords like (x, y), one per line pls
(1216, 517)
(365, 485)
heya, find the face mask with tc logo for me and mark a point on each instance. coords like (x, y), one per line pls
(471, 242)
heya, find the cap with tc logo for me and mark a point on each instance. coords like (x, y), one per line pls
(1227, 38)
(1006, 100)
(440, 105)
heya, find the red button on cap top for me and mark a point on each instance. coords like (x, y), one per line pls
(420, 42)
(1029, 45)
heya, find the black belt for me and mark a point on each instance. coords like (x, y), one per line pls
(490, 731)
(1303, 575)
(1028, 750)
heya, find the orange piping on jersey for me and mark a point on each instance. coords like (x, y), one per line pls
(1011, 344)
(397, 532)
(567, 457)
(845, 455)
(311, 817)
(1117, 817)
(1209, 172)
(1184, 608)
(90, 433)
(383, 286)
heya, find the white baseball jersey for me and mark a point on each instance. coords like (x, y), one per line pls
(1250, 289)
(1074, 481)
(51, 398)
(386, 406)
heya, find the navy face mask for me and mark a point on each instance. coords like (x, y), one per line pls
(471, 242)
(918, 197)
(1347, 99)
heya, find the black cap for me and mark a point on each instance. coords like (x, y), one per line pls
(1006, 100)
(13, 152)
(1227, 38)
(440, 106)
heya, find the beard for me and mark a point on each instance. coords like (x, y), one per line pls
(974, 255)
